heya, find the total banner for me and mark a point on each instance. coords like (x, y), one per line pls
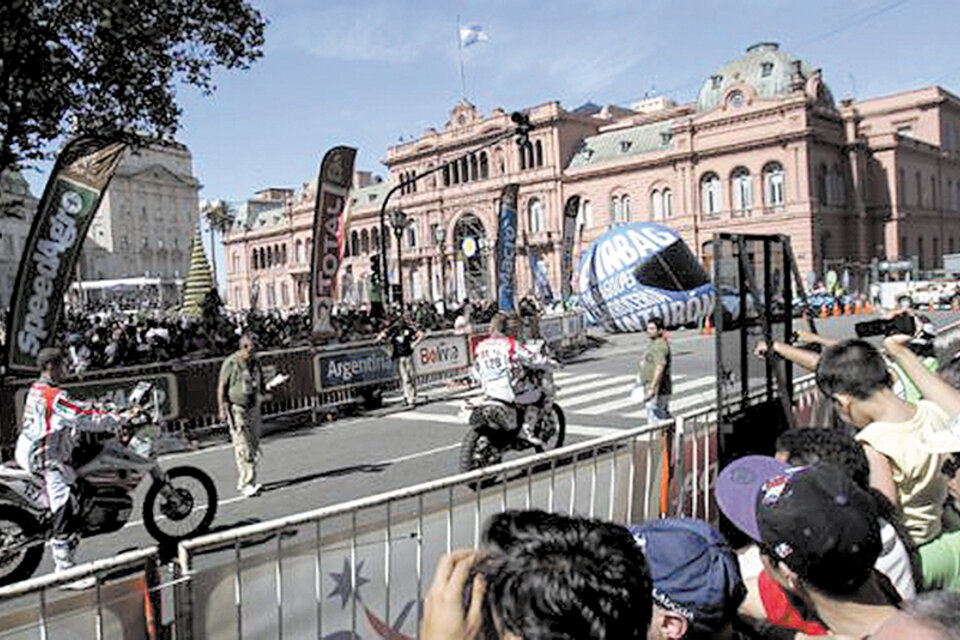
(438, 354)
(70, 199)
(353, 368)
(333, 186)
(506, 250)
(570, 211)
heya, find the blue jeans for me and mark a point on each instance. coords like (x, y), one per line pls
(658, 409)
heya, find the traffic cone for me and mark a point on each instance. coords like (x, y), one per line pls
(707, 327)
(836, 308)
(823, 312)
(848, 309)
(857, 309)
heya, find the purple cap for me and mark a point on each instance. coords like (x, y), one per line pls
(739, 485)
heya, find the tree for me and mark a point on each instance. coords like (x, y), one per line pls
(219, 216)
(111, 68)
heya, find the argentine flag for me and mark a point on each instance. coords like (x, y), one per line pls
(471, 35)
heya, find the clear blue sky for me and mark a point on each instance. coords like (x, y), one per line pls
(364, 73)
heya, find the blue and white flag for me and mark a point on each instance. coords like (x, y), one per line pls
(472, 35)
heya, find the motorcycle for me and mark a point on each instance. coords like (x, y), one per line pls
(180, 503)
(495, 426)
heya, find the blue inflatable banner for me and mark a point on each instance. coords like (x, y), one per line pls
(506, 253)
(642, 270)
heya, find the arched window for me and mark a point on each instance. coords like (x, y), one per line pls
(283, 253)
(539, 152)
(412, 235)
(822, 189)
(254, 260)
(710, 194)
(667, 203)
(620, 205)
(536, 221)
(301, 258)
(656, 204)
(773, 184)
(236, 261)
(523, 157)
(413, 180)
(263, 258)
(464, 170)
(614, 209)
(354, 243)
(530, 158)
(455, 166)
(365, 241)
(499, 162)
(375, 240)
(919, 182)
(742, 189)
(838, 190)
(446, 175)
(933, 192)
(474, 169)
(584, 215)
(484, 166)
(269, 257)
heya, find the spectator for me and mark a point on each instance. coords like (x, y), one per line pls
(854, 375)
(696, 579)
(818, 536)
(898, 558)
(543, 576)
(238, 393)
(934, 615)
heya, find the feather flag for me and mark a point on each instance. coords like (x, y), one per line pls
(472, 35)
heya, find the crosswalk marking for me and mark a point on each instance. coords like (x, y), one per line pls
(568, 391)
(623, 403)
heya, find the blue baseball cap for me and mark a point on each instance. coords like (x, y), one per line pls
(695, 572)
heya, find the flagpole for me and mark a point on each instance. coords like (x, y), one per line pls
(463, 82)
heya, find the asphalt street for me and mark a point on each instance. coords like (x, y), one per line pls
(321, 465)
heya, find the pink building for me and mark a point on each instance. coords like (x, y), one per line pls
(763, 149)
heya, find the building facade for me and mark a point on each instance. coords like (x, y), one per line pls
(17, 208)
(146, 220)
(763, 149)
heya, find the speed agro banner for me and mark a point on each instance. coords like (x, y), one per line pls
(333, 185)
(569, 238)
(70, 200)
(506, 253)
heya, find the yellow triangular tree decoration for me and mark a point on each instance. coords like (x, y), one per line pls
(199, 279)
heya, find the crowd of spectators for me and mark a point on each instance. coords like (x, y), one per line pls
(129, 331)
(854, 532)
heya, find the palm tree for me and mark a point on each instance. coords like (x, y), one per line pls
(219, 216)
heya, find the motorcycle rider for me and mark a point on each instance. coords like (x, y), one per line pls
(502, 366)
(45, 446)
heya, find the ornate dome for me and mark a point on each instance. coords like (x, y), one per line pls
(768, 70)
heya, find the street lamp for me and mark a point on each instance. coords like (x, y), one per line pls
(440, 238)
(399, 220)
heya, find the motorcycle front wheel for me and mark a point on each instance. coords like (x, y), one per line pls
(188, 512)
(17, 560)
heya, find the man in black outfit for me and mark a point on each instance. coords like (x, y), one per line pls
(403, 336)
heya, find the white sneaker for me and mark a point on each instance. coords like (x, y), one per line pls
(251, 490)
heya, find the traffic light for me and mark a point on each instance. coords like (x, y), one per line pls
(522, 120)
(375, 268)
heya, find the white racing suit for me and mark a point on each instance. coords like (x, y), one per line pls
(502, 364)
(45, 446)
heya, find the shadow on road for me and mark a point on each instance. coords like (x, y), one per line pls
(276, 485)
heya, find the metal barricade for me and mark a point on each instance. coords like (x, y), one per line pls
(367, 563)
(37, 608)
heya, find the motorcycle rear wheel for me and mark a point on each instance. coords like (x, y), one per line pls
(157, 508)
(16, 522)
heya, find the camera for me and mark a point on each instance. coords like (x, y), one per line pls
(898, 324)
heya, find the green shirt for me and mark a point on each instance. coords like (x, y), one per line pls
(658, 352)
(243, 379)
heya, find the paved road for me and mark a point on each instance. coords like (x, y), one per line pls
(327, 464)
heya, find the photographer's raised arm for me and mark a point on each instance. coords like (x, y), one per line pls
(803, 357)
(930, 385)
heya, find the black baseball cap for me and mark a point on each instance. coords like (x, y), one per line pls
(814, 519)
